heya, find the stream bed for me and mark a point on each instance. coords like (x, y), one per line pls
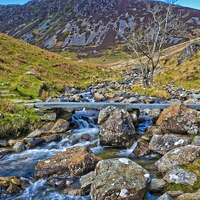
(23, 163)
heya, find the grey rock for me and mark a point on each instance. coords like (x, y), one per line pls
(188, 52)
(49, 117)
(35, 133)
(178, 175)
(3, 143)
(190, 196)
(178, 156)
(132, 100)
(116, 127)
(164, 143)
(19, 146)
(86, 182)
(34, 74)
(119, 178)
(35, 143)
(60, 126)
(174, 193)
(165, 197)
(196, 141)
(157, 185)
(98, 97)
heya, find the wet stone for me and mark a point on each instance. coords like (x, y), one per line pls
(52, 138)
(35, 143)
(3, 143)
(60, 126)
(46, 128)
(157, 185)
(19, 146)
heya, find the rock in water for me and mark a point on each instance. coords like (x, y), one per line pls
(116, 127)
(178, 119)
(119, 179)
(73, 161)
(178, 156)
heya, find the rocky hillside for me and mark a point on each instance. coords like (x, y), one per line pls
(89, 25)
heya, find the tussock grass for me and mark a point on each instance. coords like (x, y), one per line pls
(184, 75)
(151, 92)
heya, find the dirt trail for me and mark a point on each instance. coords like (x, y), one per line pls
(167, 52)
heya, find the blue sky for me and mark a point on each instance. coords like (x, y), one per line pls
(185, 3)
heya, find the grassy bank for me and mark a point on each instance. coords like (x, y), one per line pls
(17, 121)
(53, 70)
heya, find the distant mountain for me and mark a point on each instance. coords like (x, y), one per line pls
(60, 25)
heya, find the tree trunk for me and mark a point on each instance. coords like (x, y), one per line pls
(151, 77)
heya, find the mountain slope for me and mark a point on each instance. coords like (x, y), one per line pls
(30, 70)
(90, 25)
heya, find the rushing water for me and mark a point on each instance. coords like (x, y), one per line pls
(23, 163)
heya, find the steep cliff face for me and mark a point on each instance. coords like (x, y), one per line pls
(60, 24)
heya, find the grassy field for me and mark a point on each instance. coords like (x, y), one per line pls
(18, 57)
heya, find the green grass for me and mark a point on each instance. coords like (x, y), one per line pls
(55, 71)
(17, 121)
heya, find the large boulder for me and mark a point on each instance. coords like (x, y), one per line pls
(178, 119)
(118, 178)
(188, 52)
(178, 156)
(164, 143)
(178, 175)
(73, 161)
(116, 127)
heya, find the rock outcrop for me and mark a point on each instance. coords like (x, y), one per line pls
(188, 52)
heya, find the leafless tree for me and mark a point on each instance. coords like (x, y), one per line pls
(148, 39)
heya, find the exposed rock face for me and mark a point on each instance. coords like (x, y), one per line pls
(178, 119)
(178, 175)
(102, 29)
(178, 156)
(118, 179)
(116, 127)
(157, 185)
(35, 143)
(188, 52)
(190, 196)
(73, 161)
(164, 143)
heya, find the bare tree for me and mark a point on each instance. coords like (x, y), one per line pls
(148, 39)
